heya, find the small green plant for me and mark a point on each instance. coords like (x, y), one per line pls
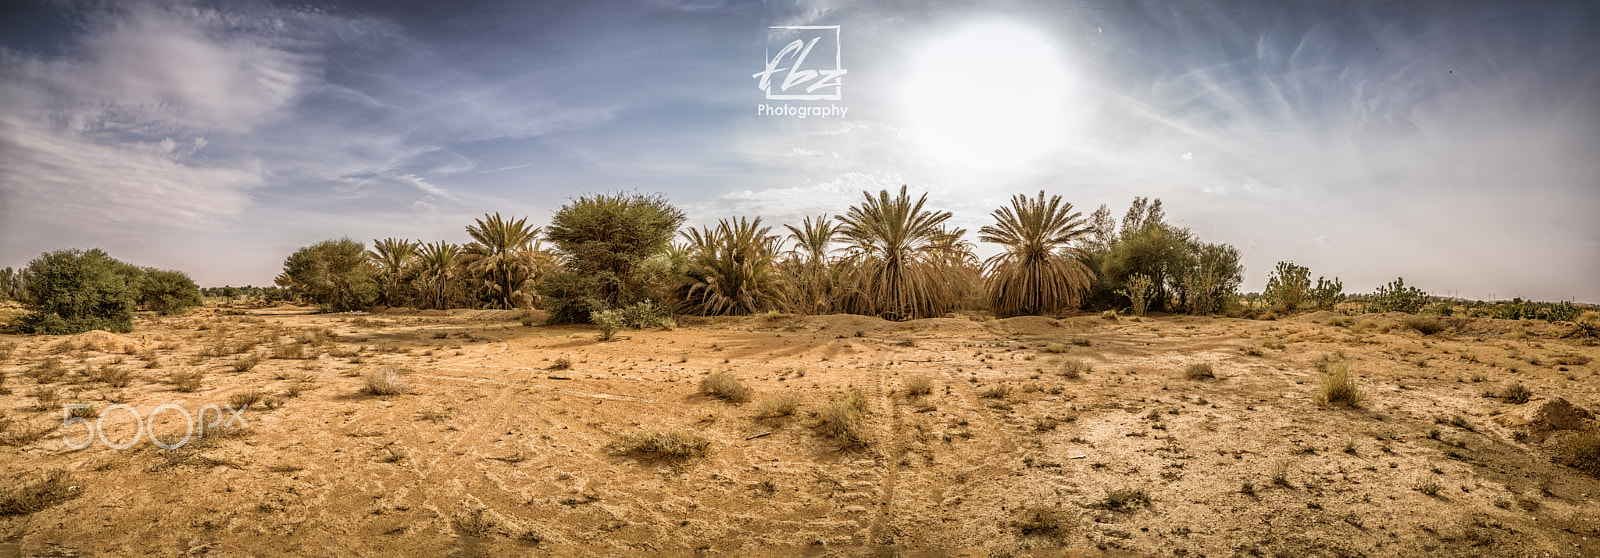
(917, 386)
(653, 444)
(725, 386)
(609, 322)
(386, 381)
(1199, 371)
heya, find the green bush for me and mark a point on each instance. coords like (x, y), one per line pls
(167, 292)
(608, 241)
(1289, 287)
(1397, 297)
(73, 291)
(333, 274)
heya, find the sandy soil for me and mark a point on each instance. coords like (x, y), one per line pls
(495, 452)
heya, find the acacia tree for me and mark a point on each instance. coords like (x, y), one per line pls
(1039, 271)
(504, 260)
(610, 246)
(333, 274)
(898, 250)
(73, 291)
(731, 268)
(167, 291)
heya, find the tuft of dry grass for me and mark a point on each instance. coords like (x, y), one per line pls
(289, 351)
(116, 376)
(1199, 371)
(780, 405)
(1073, 369)
(1426, 325)
(1339, 387)
(1042, 521)
(653, 444)
(725, 386)
(45, 398)
(19, 434)
(917, 386)
(49, 371)
(246, 398)
(845, 420)
(1580, 451)
(476, 524)
(561, 363)
(1516, 393)
(187, 381)
(1125, 499)
(1001, 391)
(245, 363)
(57, 486)
(386, 381)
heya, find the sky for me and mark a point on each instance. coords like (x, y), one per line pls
(1449, 143)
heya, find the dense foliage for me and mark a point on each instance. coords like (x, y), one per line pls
(333, 274)
(1185, 273)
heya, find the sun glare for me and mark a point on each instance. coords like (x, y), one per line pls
(989, 96)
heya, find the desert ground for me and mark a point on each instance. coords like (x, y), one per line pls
(1039, 436)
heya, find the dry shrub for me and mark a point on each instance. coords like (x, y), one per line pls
(1124, 499)
(49, 371)
(561, 363)
(57, 486)
(116, 376)
(1580, 451)
(1339, 387)
(386, 381)
(916, 386)
(1042, 521)
(844, 420)
(1426, 325)
(725, 386)
(1515, 392)
(1200, 371)
(1001, 391)
(246, 362)
(780, 405)
(19, 434)
(45, 398)
(6, 349)
(187, 381)
(1073, 369)
(246, 398)
(289, 351)
(652, 444)
(1054, 348)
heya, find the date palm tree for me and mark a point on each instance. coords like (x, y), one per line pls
(732, 268)
(1041, 269)
(897, 250)
(503, 260)
(812, 278)
(438, 264)
(393, 256)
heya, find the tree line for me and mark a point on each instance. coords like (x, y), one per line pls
(889, 255)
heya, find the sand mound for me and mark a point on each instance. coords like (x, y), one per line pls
(102, 341)
(1553, 416)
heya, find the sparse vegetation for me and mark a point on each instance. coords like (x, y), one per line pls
(386, 381)
(1515, 393)
(1073, 369)
(725, 386)
(1199, 371)
(561, 363)
(28, 497)
(1125, 499)
(666, 445)
(1042, 521)
(917, 386)
(779, 405)
(1581, 451)
(844, 420)
(1339, 387)
(186, 380)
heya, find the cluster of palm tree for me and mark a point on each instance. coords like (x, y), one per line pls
(497, 269)
(895, 259)
(889, 255)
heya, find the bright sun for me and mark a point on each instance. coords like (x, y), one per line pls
(989, 96)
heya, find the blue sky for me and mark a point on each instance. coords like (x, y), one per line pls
(1446, 142)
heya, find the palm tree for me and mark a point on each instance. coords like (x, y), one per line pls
(504, 259)
(731, 268)
(437, 263)
(1041, 269)
(393, 257)
(812, 278)
(897, 250)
